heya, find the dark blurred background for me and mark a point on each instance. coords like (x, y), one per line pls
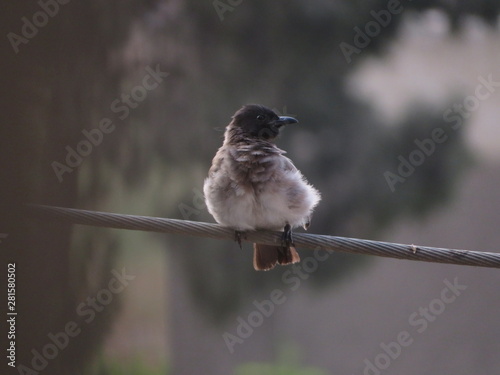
(120, 105)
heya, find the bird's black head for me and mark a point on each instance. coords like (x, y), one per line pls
(257, 121)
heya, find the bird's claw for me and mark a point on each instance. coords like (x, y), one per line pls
(287, 238)
(237, 237)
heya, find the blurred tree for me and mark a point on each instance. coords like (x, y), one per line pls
(58, 80)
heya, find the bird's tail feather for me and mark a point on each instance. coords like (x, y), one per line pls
(265, 257)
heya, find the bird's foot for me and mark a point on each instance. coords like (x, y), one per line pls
(287, 238)
(237, 237)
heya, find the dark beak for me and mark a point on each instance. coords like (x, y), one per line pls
(285, 120)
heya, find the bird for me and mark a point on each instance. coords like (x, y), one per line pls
(251, 185)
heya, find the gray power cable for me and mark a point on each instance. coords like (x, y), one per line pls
(302, 240)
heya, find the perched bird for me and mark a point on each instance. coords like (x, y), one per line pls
(251, 184)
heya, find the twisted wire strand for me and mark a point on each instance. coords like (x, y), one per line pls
(303, 240)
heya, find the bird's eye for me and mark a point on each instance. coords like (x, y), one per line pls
(260, 117)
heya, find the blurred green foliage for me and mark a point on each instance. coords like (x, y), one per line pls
(128, 366)
(287, 363)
